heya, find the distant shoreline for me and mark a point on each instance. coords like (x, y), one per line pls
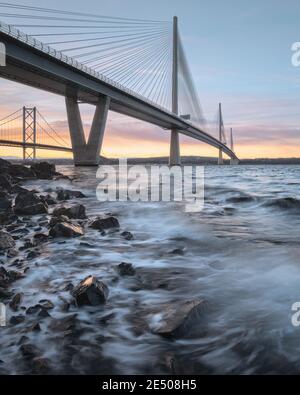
(186, 160)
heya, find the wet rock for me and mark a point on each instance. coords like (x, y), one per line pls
(44, 313)
(33, 255)
(64, 194)
(67, 325)
(104, 223)
(6, 241)
(21, 171)
(29, 351)
(5, 165)
(34, 328)
(5, 202)
(46, 304)
(6, 182)
(48, 199)
(33, 309)
(40, 237)
(127, 235)
(18, 189)
(15, 302)
(74, 212)
(12, 253)
(175, 319)
(23, 339)
(64, 229)
(4, 294)
(28, 203)
(7, 218)
(90, 291)
(177, 251)
(40, 365)
(16, 319)
(44, 170)
(126, 269)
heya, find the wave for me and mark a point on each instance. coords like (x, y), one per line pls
(288, 203)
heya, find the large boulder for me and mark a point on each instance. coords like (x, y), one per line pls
(28, 203)
(21, 171)
(75, 212)
(64, 194)
(5, 202)
(6, 182)
(44, 170)
(5, 165)
(104, 223)
(176, 319)
(91, 292)
(66, 229)
(6, 241)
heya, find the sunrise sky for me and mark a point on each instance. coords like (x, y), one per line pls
(239, 53)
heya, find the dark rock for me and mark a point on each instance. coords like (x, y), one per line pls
(29, 351)
(40, 365)
(64, 229)
(18, 189)
(44, 313)
(15, 302)
(40, 237)
(48, 199)
(12, 253)
(28, 203)
(64, 194)
(34, 328)
(126, 269)
(6, 241)
(91, 292)
(5, 202)
(4, 294)
(21, 171)
(127, 235)
(5, 165)
(23, 339)
(16, 319)
(33, 255)
(175, 319)
(46, 304)
(104, 223)
(44, 170)
(73, 212)
(177, 251)
(7, 218)
(6, 182)
(33, 309)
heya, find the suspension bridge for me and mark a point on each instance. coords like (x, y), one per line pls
(133, 67)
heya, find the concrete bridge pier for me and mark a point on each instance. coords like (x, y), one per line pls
(174, 149)
(86, 153)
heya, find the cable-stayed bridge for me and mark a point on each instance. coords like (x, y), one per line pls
(134, 67)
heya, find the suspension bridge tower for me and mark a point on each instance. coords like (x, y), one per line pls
(174, 145)
(29, 133)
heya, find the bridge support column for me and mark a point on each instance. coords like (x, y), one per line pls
(174, 149)
(220, 159)
(87, 153)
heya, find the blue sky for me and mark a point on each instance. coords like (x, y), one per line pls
(239, 53)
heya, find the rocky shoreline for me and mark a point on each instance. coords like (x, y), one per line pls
(30, 219)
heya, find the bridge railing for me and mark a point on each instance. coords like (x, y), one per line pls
(33, 42)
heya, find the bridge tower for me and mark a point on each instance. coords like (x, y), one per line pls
(174, 144)
(232, 161)
(29, 133)
(220, 160)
